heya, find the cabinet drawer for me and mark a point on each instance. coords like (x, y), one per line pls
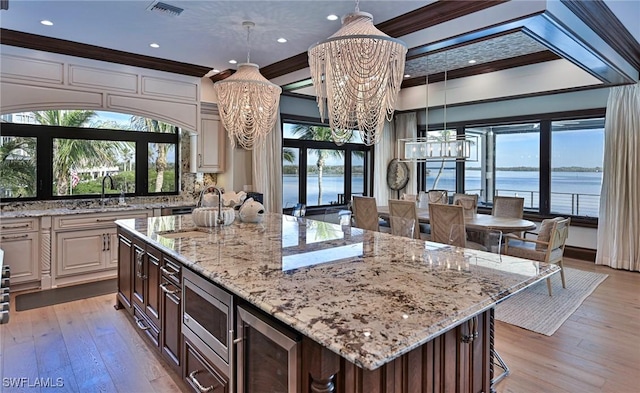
(146, 327)
(95, 220)
(13, 225)
(200, 374)
(171, 270)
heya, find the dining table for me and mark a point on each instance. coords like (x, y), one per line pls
(480, 222)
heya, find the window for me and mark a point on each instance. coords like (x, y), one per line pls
(316, 171)
(577, 154)
(517, 162)
(72, 150)
(18, 170)
(441, 175)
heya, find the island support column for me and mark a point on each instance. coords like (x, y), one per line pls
(321, 367)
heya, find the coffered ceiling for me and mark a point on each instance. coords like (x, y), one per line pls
(598, 37)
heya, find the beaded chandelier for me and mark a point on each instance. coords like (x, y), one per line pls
(357, 73)
(247, 103)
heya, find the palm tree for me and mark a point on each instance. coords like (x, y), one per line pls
(317, 133)
(18, 166)
(72, 153)
(161, 149)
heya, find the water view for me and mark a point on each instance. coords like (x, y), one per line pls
(574, 193)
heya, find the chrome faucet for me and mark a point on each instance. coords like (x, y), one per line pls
(102, 198)
(219, 220)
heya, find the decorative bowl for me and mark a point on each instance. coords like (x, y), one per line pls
(208, 216)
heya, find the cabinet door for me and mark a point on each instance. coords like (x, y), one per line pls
(211, 145)
(170, 323)
(125, 268)
(111, 254)
(139, 257)
(152, 285)
(80, 251)
(21, 252)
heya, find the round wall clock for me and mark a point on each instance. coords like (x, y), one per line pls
(397, 174)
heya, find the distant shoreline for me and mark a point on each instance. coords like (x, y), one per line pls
(532, 169)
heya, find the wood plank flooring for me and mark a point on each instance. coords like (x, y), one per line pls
(87, 346)
(596, 350)
(81, 346)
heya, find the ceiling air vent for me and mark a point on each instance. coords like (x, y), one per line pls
(165, 8)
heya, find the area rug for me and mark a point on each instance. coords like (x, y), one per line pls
(533, 309)
(50, 297)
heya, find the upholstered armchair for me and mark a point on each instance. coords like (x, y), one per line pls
(547, 247)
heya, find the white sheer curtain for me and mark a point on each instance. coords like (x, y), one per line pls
(619, 219)
(406, 125)
(383, 153)
(267, 169)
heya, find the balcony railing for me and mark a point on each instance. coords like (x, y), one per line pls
(575, 204)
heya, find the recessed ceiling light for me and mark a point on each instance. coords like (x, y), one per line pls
(215, 71)
(406, 75)
(46, 22)
(472, 61)
(332, 17)
(282, 40)
(154, 45)
(233, 61)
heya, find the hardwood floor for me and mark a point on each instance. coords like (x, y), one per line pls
(596, 350)
(81, 346)
(93, 348)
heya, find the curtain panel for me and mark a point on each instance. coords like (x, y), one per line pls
(619, 219)
(267, 169)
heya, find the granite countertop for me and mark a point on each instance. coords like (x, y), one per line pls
(83, 208)
(368, 296)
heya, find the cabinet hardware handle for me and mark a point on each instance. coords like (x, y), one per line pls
(168, 272)
(140, 275)
(103, 243)
(202, 389)
(104, 219)
(199, 160)
(14, 237)
(108, 237)
(140, 324)
(139, 264)
(472, 330)
(168, 291)
(15, 226)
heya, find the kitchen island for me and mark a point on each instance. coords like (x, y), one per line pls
(376, 313)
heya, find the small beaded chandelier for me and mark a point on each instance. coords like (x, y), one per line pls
(357, 73)
(247, 102)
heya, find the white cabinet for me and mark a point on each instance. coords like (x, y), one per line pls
(86, 245)
(20, 241)
(211, 145)
(85, 251)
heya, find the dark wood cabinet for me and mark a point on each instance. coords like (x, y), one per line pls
(171, 313)
(200, 374)
(125, 269)
(146, 281)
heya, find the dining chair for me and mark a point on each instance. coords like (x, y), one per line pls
(401, 226)
(547, 247)
(511, 207)
(365, 213)
(438, 196)
(469, 203)
(448, 227)
(407, 210)
(409, 197)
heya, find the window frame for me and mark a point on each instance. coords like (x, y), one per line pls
(545, 121)
(45, 134)
(304, 145)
